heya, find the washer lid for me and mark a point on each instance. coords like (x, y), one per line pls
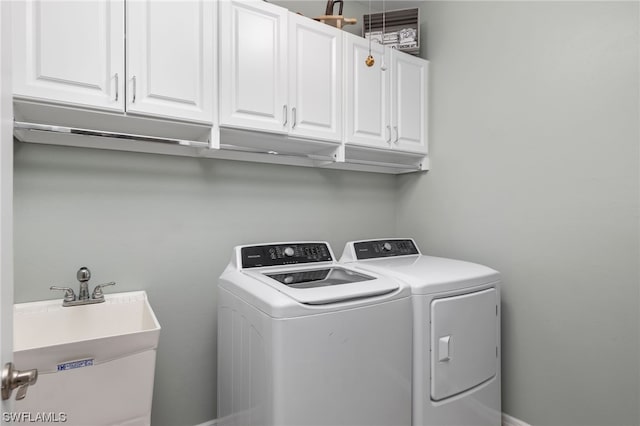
(326, 285)
(312, 278)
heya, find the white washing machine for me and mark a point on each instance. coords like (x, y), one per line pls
(456, 332)
(303, 340)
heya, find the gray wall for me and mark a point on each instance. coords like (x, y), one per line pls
(535, 171)
(167, 225)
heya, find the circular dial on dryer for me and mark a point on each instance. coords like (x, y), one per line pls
(386, 246)
(289, 251)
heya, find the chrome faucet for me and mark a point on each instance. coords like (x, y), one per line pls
(83, 275)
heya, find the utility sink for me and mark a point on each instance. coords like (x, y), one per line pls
(123, 324)
(95, 362)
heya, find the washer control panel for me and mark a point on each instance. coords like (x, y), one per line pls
(284, 254)
(384, 248)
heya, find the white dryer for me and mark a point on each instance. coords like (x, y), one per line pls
(303, 340)
(456, 332)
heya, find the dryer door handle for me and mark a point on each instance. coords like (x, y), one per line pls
(443, 348)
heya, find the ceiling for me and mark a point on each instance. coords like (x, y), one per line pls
(376, 5)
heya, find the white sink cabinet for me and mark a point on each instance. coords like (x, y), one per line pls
(90, 359)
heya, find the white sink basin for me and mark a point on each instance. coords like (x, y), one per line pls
(123, 324)
(84, 355)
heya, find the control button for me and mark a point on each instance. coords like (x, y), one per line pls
(386, 246)
(288, 279)
(289, 251)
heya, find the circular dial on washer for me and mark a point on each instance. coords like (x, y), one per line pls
(289, 251)
(386, 246)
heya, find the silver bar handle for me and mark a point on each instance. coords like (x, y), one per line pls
(19, 125)
(227, 147)
(397, 135)
(293, 117)
(117, 87)
(286, 114)
(133, 80)
(389, 132)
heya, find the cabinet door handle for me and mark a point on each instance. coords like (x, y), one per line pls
(286, 114)
(293, 117)
(389, 133)
(133, 80)
(117, 86)
(397, 135)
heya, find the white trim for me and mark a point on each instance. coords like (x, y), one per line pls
(508, 420)
(209, 423)
(6, 196)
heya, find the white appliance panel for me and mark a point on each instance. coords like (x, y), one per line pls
(464, 342)
(351, 367)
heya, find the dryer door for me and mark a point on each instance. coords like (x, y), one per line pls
(464, 334)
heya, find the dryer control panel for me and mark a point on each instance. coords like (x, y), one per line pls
(284, 254)
(384, 248)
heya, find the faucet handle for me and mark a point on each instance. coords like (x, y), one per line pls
(69, 295)
(97, 291)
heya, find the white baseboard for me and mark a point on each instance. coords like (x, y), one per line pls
(209, 423)
(508, 420)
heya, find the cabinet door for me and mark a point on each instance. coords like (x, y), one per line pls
(253, 65)
(315, 79)
(409, 101)
(70, 52)
(170, 58)
(367, 94)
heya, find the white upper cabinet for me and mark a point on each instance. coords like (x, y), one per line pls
(170, 58)
(367, 94)
(70, 52)
(385, 109)
(200, 70)
(253, 66)
(73, 52)
(409, 102)
(315, 79)
(279, 72)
